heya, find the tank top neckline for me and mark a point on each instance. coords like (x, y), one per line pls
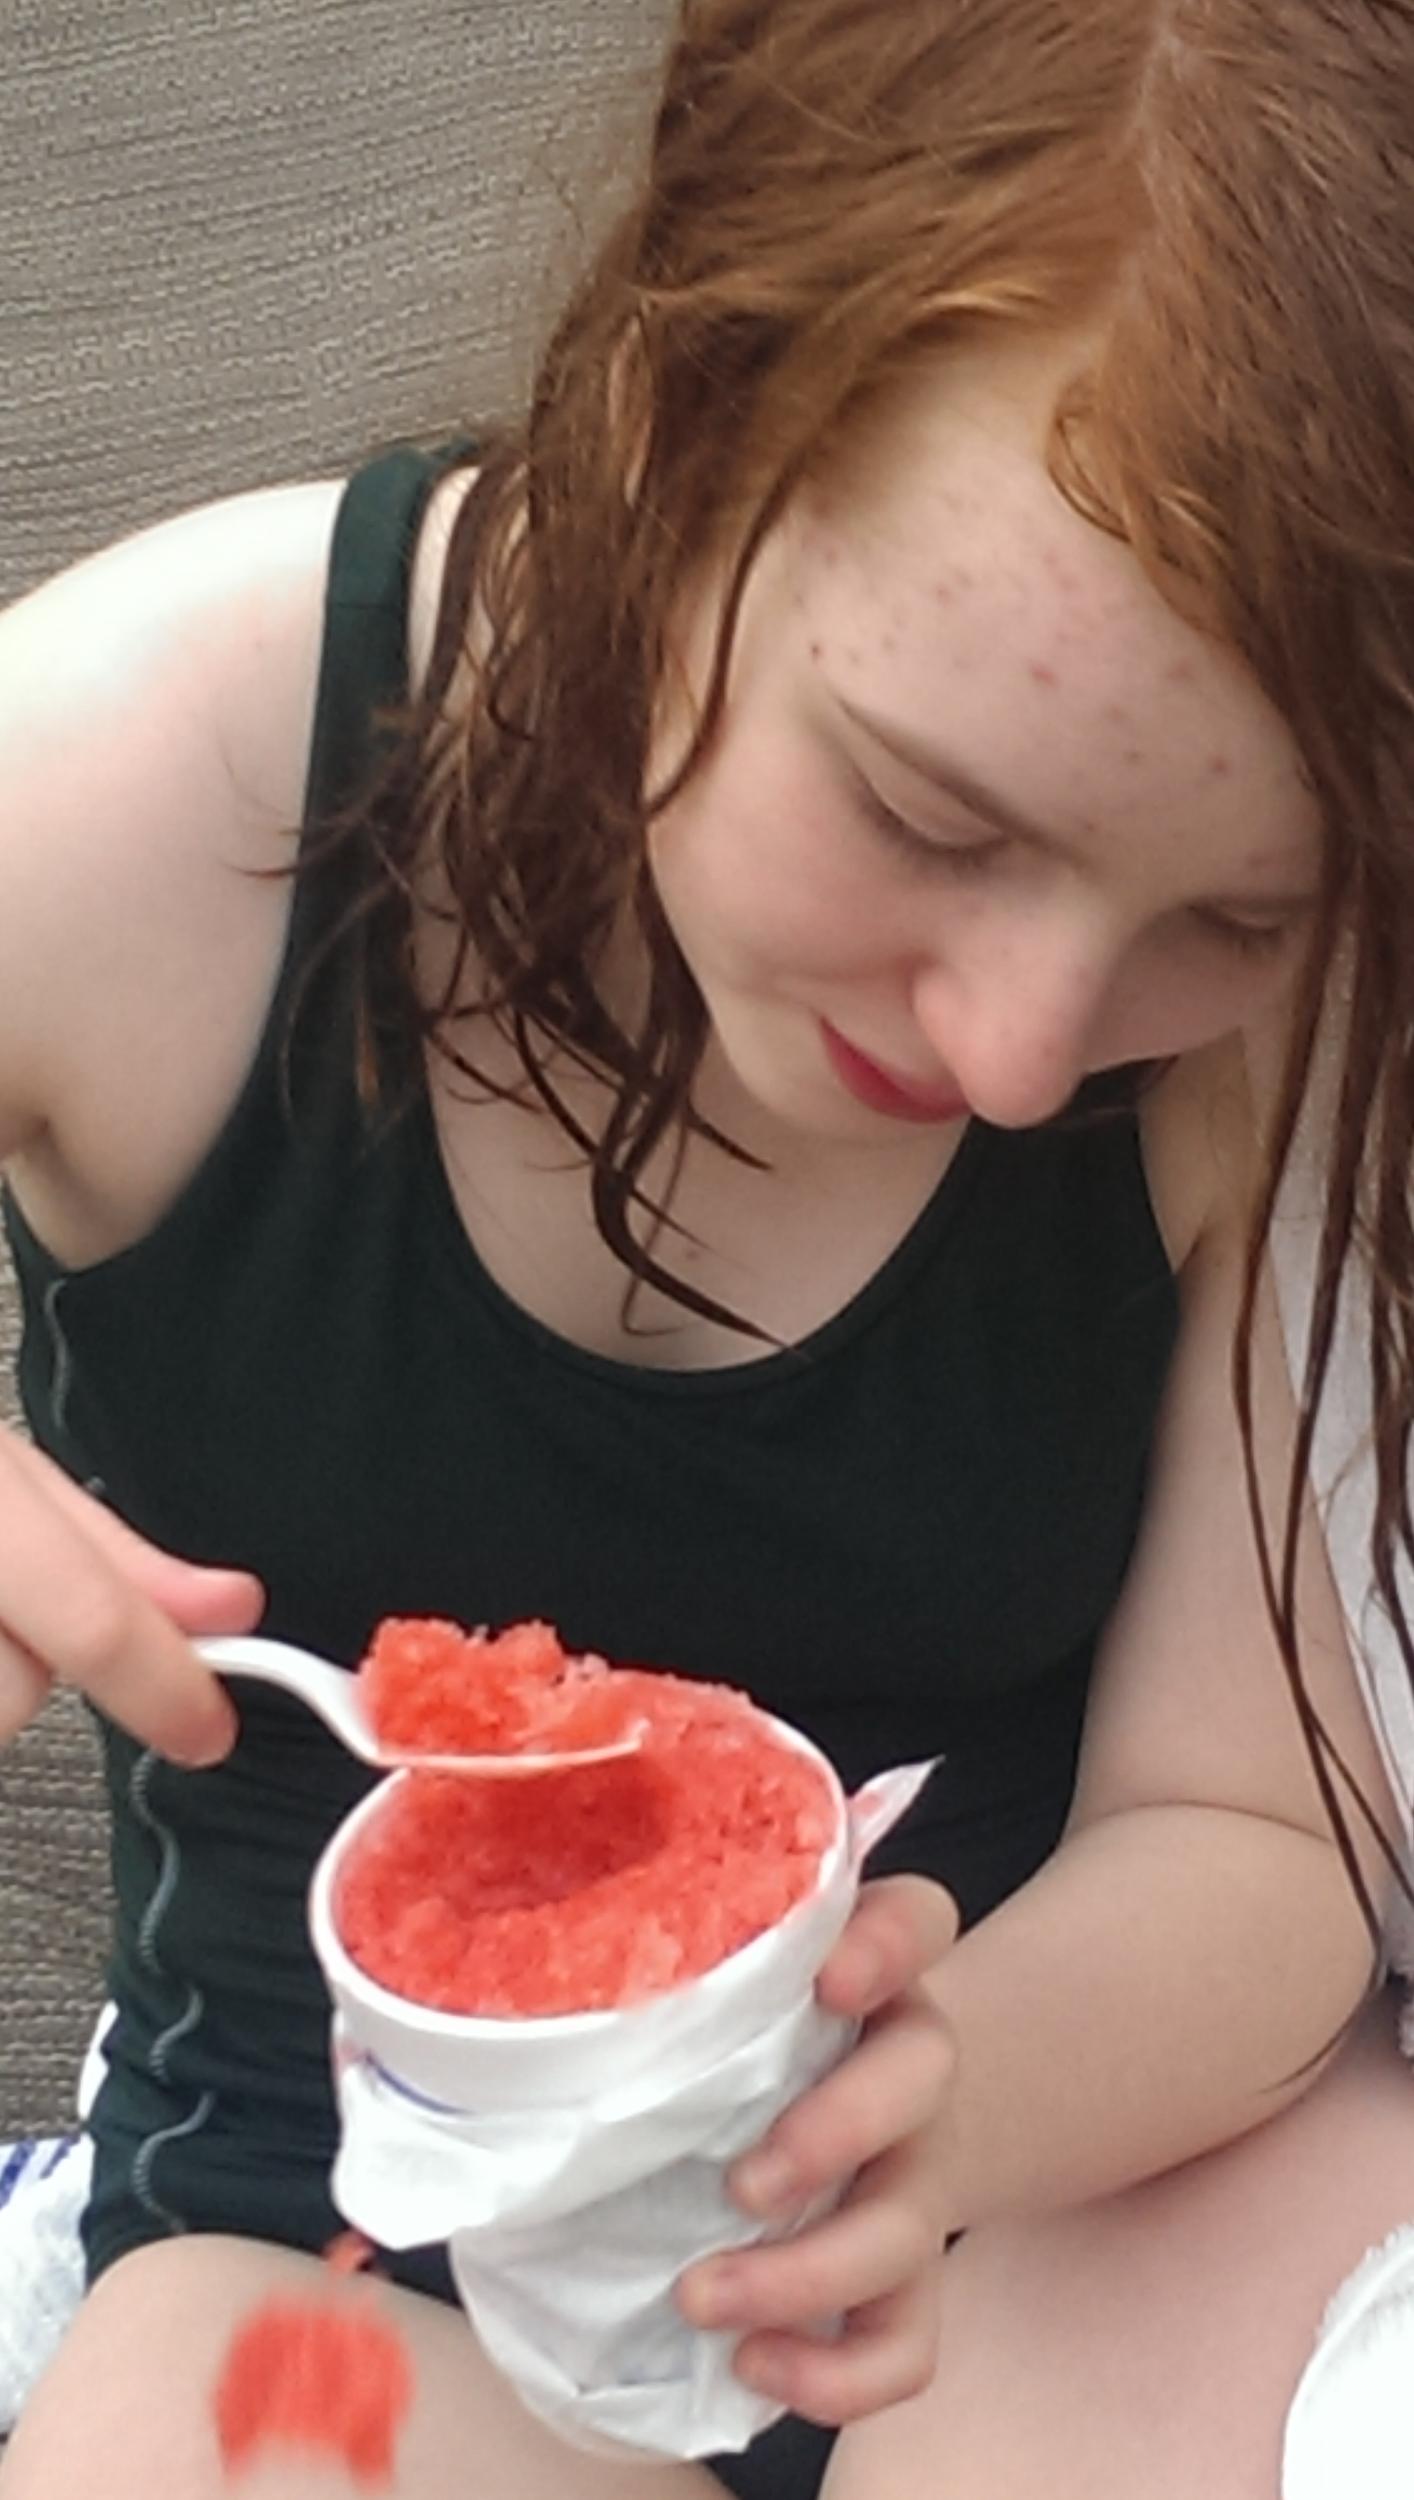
(462, 1267)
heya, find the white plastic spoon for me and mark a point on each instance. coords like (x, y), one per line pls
(335, 1694)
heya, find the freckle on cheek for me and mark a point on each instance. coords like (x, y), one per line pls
(1220, 767)
(1043, 675)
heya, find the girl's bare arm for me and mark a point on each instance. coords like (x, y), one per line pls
(155, 704)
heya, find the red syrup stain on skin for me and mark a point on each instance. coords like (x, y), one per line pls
(328, 2376)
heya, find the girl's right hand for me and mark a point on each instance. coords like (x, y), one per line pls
(87, 1602)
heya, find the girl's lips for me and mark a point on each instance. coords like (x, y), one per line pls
(871, 1084)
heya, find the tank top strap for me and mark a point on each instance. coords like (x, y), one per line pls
(363, 673)
(364, 660)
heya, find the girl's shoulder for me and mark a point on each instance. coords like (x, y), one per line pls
(1202, 1142)
(156, 703)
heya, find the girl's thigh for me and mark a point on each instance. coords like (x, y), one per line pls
(125, 2410)
(1152, 2343)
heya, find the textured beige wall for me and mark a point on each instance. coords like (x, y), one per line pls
(243, 243)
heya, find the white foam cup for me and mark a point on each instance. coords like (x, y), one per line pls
(575, 2163)
(461, 2060)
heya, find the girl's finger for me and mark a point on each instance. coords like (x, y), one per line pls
(887, 2352)
(67, 1606)
(901, 1926)
(879, 2238)
(891, 2086)
(24, 1689)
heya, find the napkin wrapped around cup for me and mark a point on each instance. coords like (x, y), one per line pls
(575, 2164)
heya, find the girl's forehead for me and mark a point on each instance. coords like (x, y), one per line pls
(950, 588)
(964, 535)
(951, 514)
(951, 576)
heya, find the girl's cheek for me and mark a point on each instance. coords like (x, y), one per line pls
(1165, 1010)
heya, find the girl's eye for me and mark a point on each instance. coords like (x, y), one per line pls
(1246, 937)
(962, 858)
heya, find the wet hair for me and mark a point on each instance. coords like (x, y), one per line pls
(1216, 194)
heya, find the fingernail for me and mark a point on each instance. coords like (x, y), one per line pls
(209, 1749)
(767, 2180)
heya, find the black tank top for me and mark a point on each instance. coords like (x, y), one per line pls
(904, 1534)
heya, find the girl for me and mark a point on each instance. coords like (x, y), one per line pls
(736, 1133)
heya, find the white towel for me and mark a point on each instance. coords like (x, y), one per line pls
(43, 2185)
(1350, 2431)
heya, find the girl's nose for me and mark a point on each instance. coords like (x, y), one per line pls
(1019, 1038)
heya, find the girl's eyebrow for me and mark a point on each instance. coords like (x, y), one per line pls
(921, 756)
(987, 803)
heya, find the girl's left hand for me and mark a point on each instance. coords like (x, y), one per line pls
(878, 2122)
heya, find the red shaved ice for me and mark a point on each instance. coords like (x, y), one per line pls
(430, 1687)
(590, 1888)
